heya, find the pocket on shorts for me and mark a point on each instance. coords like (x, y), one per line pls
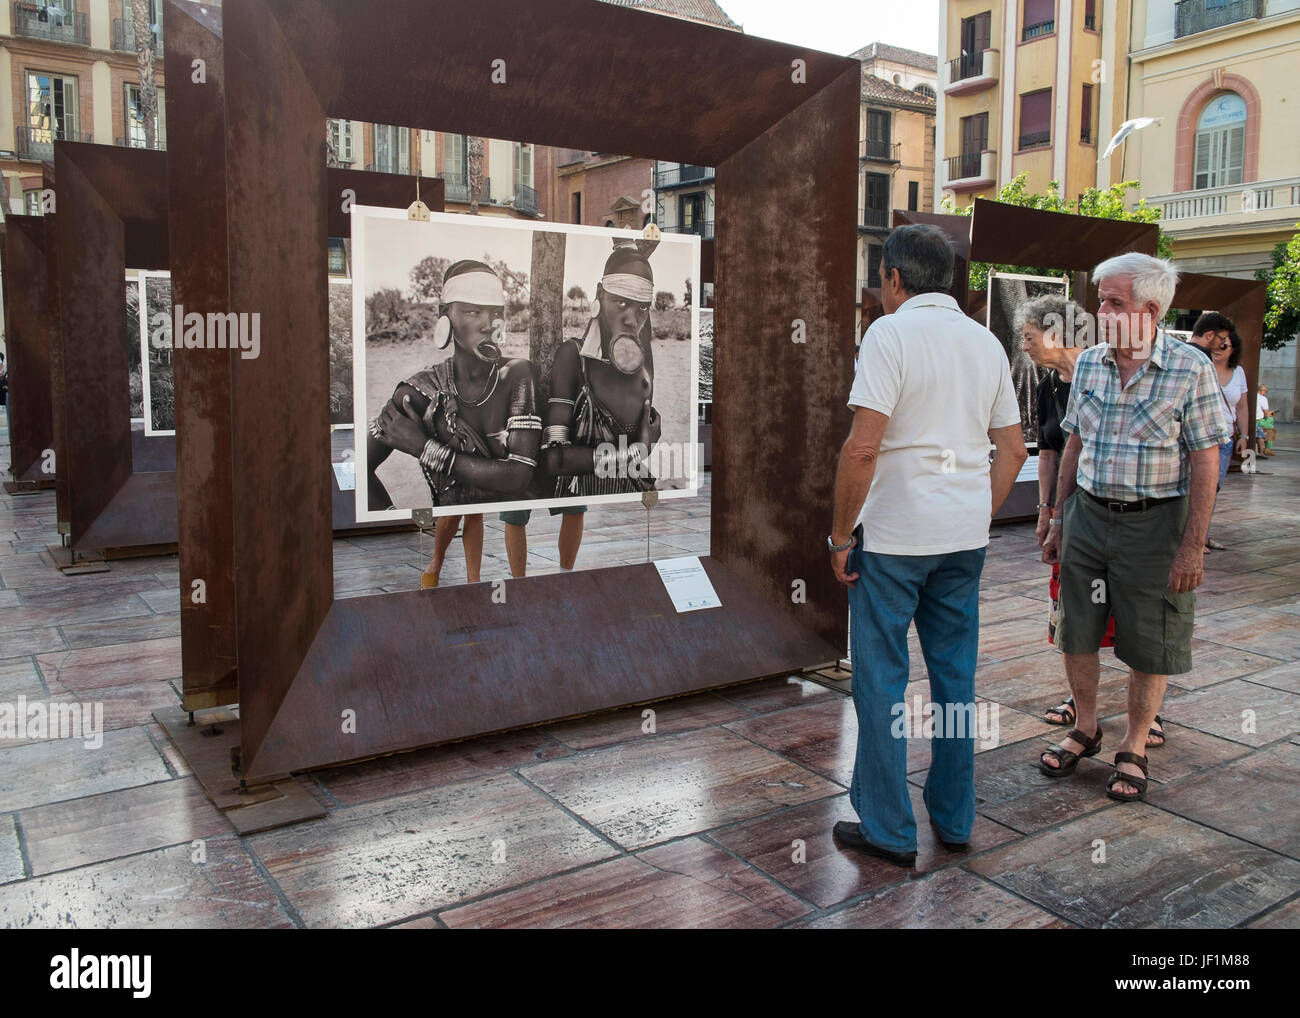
(1180, 616)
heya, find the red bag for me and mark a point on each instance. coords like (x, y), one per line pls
(1054, 610)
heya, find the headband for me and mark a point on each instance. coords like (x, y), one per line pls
(624, 284)
(479, 287)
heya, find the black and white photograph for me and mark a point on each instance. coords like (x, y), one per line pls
(133, 348)
(159, 387)
(500, 365)
(340, 296)
(1007, 293)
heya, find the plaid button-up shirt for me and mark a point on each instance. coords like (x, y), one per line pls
(1136, 438)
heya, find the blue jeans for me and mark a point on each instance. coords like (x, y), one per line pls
(941, 592)
(1225, 460)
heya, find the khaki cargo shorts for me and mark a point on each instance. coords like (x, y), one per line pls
(1118, 564)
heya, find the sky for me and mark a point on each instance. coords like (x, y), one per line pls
(840, 26)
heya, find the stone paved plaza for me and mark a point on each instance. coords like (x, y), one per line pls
(722, 817)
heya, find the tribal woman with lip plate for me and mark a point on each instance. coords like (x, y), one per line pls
(602, 388)
(471, 420)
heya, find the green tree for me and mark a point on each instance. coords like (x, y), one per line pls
(664, 301)
(1100, 204)
(1282, 298)
(426, 279)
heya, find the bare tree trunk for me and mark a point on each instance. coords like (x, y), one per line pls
(546, 322)
(144, 56)
(475, 173)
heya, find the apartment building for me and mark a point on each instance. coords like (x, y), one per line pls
(1029, 86)
(896, 142)
(1223, 161)
(72, 75)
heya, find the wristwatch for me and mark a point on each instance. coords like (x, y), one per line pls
(830, 543)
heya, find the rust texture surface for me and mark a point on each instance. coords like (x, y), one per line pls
(27, 343)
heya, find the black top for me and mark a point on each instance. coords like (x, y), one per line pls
(1053, 398)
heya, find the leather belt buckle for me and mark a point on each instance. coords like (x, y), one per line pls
(1115, 507)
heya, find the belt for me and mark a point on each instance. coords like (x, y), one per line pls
(1141, 505)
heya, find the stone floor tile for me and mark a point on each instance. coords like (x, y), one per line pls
(11, 853)
(1159, 871)
(1219, 710)
(1285, 918)
(1283, 676)
(164, 889)
(139, 629)
(654, 790)
(117, 664)
(683, 714)
(384, 861)
(59, 769)
(1213, 663)
(774, 694)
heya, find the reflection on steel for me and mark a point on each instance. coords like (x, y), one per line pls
(428, 666)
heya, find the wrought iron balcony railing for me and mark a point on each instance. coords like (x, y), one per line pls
(1035, 138)
(139, 142)
(38, 21)
(1042, 28)
(38, 142)
(880, 150)
(124, 37)
(1192, 16)
(967, 164)
(968, 65)
(526, 199)
(873, 218)
(677, 175)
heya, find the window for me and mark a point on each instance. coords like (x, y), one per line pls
(1220, 142)
(576, 207)
(338, 256)
(1090, 14)
(924, 89)
(1085, 116)
(878, 146)
(690, 213)
(974, 141)
(341, 140)
(135, 136)
(913, 195)
(32, 203)
(525, 156)
(51, 107)
(875, 213)
(1035, 118)
(874, 251)
(454, 158)
(976, 34)
(1040, 18)
(392, 149)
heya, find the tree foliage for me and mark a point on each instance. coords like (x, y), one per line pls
(664, 301)
(1282, 298)
(426, 279)
(1098, 203)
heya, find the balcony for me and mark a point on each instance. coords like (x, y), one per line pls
(124, 37)
(1034, 139)
(680, 175)
(876, 150)
(1085, 135)
(971, 171)
(1237, 206)
(1090, 22)
(159, 144)
(1192, 16)
(37, 21)
(702, 228)
(526, 200)
(38, 142)
(1038, 30)
(971, 72)
(873, 220)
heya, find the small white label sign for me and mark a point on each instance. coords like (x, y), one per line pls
(687, 584)
(346, 473)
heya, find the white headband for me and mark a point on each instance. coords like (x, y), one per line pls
(624, 284)
(477, 287)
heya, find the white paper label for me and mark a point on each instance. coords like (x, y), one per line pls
(687, 584)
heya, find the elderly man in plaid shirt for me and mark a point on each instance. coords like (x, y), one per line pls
(1134, 498)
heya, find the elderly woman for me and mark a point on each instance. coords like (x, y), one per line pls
(1047, 326)
(470, 420)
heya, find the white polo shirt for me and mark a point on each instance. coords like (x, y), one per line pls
(944, 382)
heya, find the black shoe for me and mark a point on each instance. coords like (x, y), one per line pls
(849, 835)
(951, 846)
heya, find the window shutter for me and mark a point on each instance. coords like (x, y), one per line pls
(1236, 154)
(1202, 163)
(1038, 11)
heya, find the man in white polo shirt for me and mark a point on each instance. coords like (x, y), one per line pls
(914, 496)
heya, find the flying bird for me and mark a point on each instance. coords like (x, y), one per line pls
(1127, 128)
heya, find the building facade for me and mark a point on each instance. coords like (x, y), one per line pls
(72, 75)
(1223, 162)
(1029, 86)
(896, 139)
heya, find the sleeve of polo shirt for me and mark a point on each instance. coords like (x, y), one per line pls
(1006, 408)
(1070, 423)
(1203, 411)
(878, 380)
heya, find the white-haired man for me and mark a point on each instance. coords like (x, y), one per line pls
(1133, 505)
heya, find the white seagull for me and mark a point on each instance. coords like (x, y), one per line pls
(1127, 128)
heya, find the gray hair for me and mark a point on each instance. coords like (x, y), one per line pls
(1045, 311)
(923, 257)
(1152, 279)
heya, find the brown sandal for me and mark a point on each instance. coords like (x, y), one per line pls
(1066, 711)
(1117, 776)
(1069, 759)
